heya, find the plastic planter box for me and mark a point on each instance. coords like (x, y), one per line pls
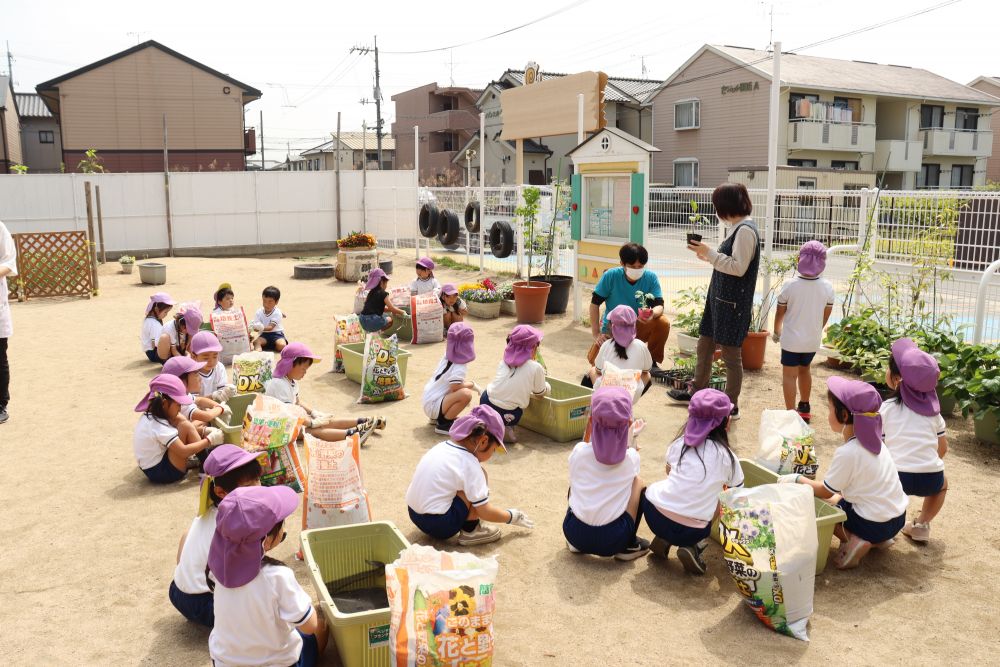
(827, 515)
(562, 415)
(362, 638)
(233, 430)
(353, 354)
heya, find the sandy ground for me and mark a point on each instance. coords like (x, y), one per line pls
(89, 544)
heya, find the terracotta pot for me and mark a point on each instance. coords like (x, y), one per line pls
(530, 299)
(754, 346)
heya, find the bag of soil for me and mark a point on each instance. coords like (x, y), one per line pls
(380, 377)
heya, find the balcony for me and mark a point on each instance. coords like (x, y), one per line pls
(819, 135)
(898, 155)
(957, 143)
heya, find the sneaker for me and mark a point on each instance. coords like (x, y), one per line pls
(850, 555)
(193, 463)
(3, 415)
(443, 426)
(378, 422)
(572, 549)
(918, 532)
(657, 372)
(637, 549)
(804, 411)
(659, 548)
(482, 534)
(509, 435)
(691, 559)
(363, 431)
(679, 396)
(882, 546)
(735, 414)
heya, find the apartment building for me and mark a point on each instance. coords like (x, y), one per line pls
(991, 86)
(447, 117)
(10, 127)
(356, 148)
(909, 127)
(41, 141)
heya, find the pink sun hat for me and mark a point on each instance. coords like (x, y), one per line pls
(166, 385)
(521, 344)
(205, 341)
(706, 411)
(159, 297)
(289, 354)
(621, 321)
(611, 415)
(863, 401)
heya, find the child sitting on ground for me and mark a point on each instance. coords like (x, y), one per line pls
(518, 378)
(267, 322)
(205, 347)
(202, 410)
(163, 439)
(262, 615)
(295, 361)
(177, 333)
(604, 483)
(372, 317)
(914, 432)
(224, 298)
(679, 509)
(152, 326)
(454, 306)
(227, 467)
(447, 393)
(804, 306)
(449, 494)
(425, 282)
(862, 473)
(623, 350)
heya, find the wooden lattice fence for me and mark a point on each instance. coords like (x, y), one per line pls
(52, 264)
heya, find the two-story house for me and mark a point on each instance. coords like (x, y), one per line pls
(446, 118)
(356, 148)
(10, 128)
(991, 86)
(906, 127)
(41, 141)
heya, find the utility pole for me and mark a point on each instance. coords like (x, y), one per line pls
(262, 140)
(10, 65)
(336, 165)
(377, 96)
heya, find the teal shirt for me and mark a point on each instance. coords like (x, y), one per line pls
(616, 290)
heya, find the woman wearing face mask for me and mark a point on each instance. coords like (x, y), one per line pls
(730, 293)
(622, 287)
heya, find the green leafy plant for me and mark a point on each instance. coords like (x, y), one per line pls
(126, 259)
(91, 163)
(689, 305)
(696, 218)
(528, 214)
(19, 169)
(506, 290)
(779, 269)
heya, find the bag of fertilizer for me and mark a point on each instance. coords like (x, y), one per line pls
(380, 377)
(399, 296)
(427, 317)
(272, 427)
(347, 329)
(786, 444)
(335, 493)
(768, 537)
(612, 376)
(441, 607)
(230, 326)
(251, 370)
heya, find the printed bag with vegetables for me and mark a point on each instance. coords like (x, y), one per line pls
(768, 537)
(271, 427)
(251, 370)
(441, 608)
(786, 444)
(380, 377)
(347, 329)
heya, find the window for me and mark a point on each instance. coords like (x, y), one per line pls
(802, 163)
(686, 173)
(929, 176)
(931, 116)
(852, 103)
(846, 165)
(46, 137)
(448, 142)
(607, 206)
(966, 118)
(687, 115)
(797, 110)
(961, 175)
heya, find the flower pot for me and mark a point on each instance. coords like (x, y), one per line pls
(484, 311)
(947, 402)
(386, 265)
(687, 344)
(354, 264)
(152, 273)
(987, 428)
(507, 307)
(754, 346)
(530, 299)
(693, 236)
(127, 268)
(558, 295)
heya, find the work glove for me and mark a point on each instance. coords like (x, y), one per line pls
(792, 478)
(776, 336)
(214, 435)
(320, 420)
(548, 389)
(223, 394)
(519, 518)
(227, 414)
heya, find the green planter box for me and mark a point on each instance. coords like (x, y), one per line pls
(827, 516)
(354, 353)
(232, 430)
(562, 415)
(362, 638)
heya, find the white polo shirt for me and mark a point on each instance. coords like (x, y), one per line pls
(188, 410)
(868, 481)
(263, 320)
(255, 623)
(170, 328)
(806, 299)
(513, 388)
(151, 439)
(438, 387)
(599, 493)
(911, 438)
(442, 472)
(189, 575)
(151, 330)
(283, 389)
(213, 380)
(419, 286)
(692, 490)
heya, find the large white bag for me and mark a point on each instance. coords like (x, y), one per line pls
(768, 536)
(786, 444)
(335, 492)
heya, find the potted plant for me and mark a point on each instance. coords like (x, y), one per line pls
(127, 262)
(506, 292)
(696, 219)
(755, 343)
(689, 305)
(530, 297)
(558, 297)
(985, 386)
(356, 256)
(482, 299)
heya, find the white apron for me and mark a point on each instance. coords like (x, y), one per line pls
(8, 258)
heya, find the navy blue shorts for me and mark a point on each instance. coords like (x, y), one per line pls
(796, 358)
(922, 484)
(154, 357)
(606, 540)
(164, 472)
(310, 651)
(442, 526)
(870, 531)
(668, 530)
(197, 607)
(270, 338)
(373, 323)
(510, 417)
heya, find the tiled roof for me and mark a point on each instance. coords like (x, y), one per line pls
(355, 141)
(619, 89)
(31, 106)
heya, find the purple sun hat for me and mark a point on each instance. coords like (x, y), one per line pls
(449, 289)
(863, 401)
(289, 354)
(708, 408)
(461, 344)
(246, 515)
(374, 278)
(611, 415)
(166, 385)
(920, 373)
(812, 258)
(205, 341)
(426, 263)
(621, 321)
(159, 297)
(479, 415)
(192, 320)
(226, 458)
(521, 344)
(181, 365)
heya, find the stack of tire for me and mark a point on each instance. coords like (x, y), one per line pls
(443, 224)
